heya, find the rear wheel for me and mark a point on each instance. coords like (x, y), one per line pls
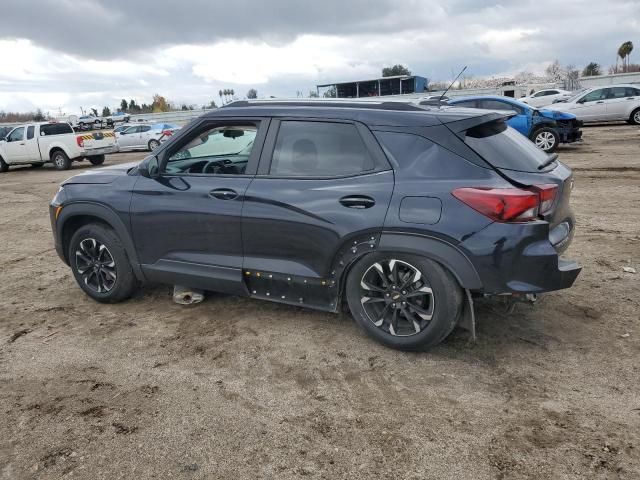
(60, 160)
(546, 139)
(100, 265)
(406, 302)
(96, 159)
(635, 117)
(153, 144)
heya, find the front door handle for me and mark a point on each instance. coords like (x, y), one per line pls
(357, 201)
(600, 101)
(223, 194)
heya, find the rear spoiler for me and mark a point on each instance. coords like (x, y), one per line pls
(461, 125)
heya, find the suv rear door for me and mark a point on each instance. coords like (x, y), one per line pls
(321, 186)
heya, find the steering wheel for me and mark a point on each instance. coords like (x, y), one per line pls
(212, 165)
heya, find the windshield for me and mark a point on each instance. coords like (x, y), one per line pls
(504, 147)
(576, 95)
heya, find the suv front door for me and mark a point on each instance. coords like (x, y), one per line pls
(322, 189)
(187, 222)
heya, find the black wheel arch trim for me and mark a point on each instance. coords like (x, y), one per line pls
(106, 215)
(436, 249)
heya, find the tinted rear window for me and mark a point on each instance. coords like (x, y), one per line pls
(503, 147)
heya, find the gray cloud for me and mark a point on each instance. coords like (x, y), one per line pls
(102, 29)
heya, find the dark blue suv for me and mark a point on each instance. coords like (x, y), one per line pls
(402, 211)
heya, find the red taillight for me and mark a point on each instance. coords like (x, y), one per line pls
(509, 204)
(167, 133)
(80, 141)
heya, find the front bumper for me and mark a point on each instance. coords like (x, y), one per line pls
(522, 258)
(569, 131)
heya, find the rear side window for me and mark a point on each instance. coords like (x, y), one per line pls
(30, 131)
(498, 105)
(319, 149)
(467, 104)
(55, 129)
(145, 128)
(503, 147)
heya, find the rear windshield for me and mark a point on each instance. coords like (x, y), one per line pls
(504, 147)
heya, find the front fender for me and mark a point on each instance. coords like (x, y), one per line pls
(99, 212)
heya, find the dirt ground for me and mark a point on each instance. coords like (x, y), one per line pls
(236, 388)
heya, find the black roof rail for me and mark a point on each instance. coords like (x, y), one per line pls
(402, 106)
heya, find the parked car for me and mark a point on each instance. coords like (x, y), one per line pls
(545, 97)
(119, 117)
(40, 143)
(143, 137)
(403, 212)
(546, 128)
(604, 104)
(88, 122)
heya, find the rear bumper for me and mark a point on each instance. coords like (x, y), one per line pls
(522, 258)
(90, 152)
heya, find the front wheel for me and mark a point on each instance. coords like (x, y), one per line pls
(406, 302)
(546, 139)
(100, 265)
(634, 118)
(60, 160)
(3, 165)
(96, 159)
(153, 144)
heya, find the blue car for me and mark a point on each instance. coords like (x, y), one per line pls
(546, 128)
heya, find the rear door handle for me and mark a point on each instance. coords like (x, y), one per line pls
(357, 201)
(223, 194)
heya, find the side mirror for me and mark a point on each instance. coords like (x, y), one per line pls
(150, 167)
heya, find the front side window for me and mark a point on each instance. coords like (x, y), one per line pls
(221, 150)
(16, 135)
(594, 96)
(319, 149)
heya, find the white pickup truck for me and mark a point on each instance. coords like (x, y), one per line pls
(42, 142)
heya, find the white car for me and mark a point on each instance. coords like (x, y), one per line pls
(546, 97)
(39, 143)
(604, 104)
(143, 137)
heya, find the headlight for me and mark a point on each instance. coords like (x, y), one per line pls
(59, 197)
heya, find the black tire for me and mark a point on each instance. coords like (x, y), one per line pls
(153, 144)
(96, 159)
(634, 118)
(60, 160)
(546, 139)
(421, 332)
(3, 166)
(97, 281)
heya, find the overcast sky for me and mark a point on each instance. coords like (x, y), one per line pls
(63, 54)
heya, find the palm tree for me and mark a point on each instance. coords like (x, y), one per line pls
(623, 52)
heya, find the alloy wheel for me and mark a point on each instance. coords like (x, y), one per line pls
(636, 117)
(96, 265)
(545, 140)
(396, 297)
